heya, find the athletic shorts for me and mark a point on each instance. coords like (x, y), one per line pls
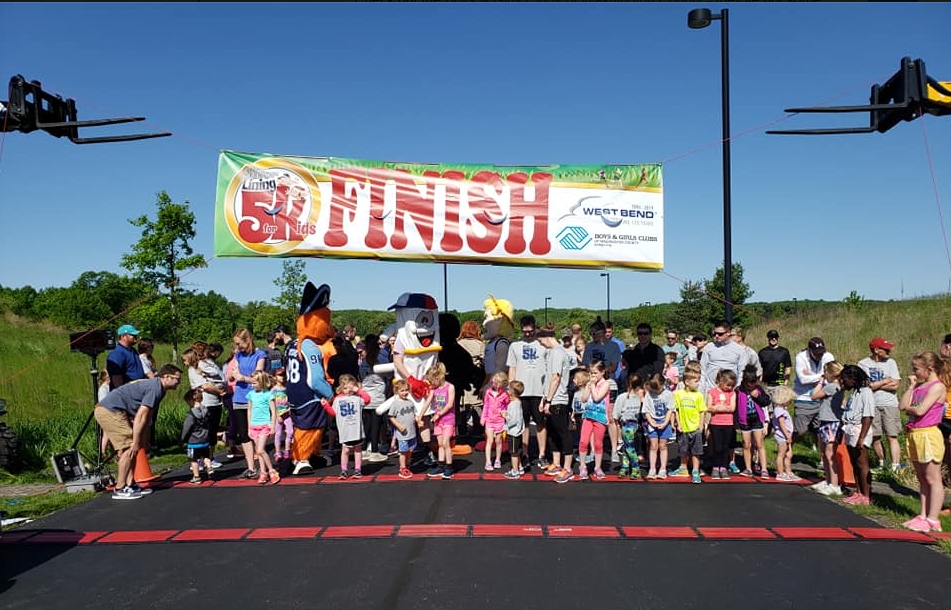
(355, 443)
(925, 445)
(196, 454)
(828, 430)
(514, 444)
(752, 423)
(531, 406)
(441, 429)
(805, 416)
(665, 434)
(690, 443)
(258, 431)
(887, 420)
(405, 446)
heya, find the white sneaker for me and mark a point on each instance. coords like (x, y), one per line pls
(366, 454)
(820, 487)
(831, 490)
(303, 466)
(126, 493)
(377, 457)
(615, 457)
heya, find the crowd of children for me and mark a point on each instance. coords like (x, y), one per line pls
(650, 414)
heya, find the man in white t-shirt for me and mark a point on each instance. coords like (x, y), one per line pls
(884, 379)
(809, 363)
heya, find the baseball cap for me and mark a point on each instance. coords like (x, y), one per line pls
(878, 342)
(773, 334)
(816, 344)
(414, 300)
(127, 329)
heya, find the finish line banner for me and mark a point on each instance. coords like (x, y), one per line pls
(570, 216)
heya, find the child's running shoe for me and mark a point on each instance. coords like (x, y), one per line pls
(274, 478)
(583, 474)
(405, 473)
(344, 474)
(195, 481)
(680, 472)
(662, 474)
(935, 525)
(357, 474)
(635, 474)
(498, 464)
(598, 473)
(564, 476)
(651, 474)
(918, 524)
(513, 474)
(262, 480)
(551, 470)
(733, 468)
(622, 473)
(447, 472)
(488, 467)
(435, 472)
(746, 473)
(695, 477)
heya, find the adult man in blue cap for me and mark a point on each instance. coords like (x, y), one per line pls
(123, 363)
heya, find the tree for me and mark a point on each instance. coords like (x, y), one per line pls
(164, 251)
(740, 292)
(701, 303)
(291, 284)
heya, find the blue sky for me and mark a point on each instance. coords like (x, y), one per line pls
(814, 217)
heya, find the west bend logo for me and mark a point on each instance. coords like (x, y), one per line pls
(271, 206)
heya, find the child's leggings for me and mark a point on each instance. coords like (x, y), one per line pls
(283, 434)
(589, 427)
(629, 445)
(721, 444)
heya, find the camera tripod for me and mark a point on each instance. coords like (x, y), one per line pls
(100, 460)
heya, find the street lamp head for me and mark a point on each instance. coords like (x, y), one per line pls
(700, 18)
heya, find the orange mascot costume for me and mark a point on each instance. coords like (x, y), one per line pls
(307, 383)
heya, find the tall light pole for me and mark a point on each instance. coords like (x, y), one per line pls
(697, 19)
(607, 317)
(546, 310)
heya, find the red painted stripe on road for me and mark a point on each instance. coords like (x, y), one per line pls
(358, 531)
(389, 478)
(583, 531)
(466, 476)
(453, 530)
(736, 533)
(137, 536)
(879, 533)
(941, 535)
(496, 476)
(283, 533)
(814, 533)
(658, 532)
(338, 481)
(508, 531)
(211, 534)
(237, 483)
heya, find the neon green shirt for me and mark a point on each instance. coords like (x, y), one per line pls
(689, 406)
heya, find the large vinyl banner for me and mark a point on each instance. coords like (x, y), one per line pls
(575, 216)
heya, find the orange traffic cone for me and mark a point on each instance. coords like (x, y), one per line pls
(843, 465)
(143, 472)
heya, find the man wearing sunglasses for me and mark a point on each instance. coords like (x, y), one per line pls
(719, 354)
